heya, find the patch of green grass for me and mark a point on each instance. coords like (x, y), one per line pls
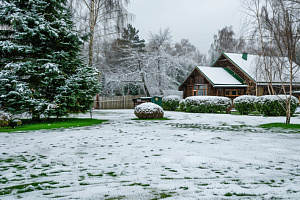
(52, 123)
(116, 198)
(238, 194)
(164, 118)
(90, 174)
(84, 184)
(138, 184)
(184, 188)
(163, 195)
(228, 194)
(111, 174)
(281, 125)
(28, 187)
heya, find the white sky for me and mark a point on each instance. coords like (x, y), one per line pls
(196, 20)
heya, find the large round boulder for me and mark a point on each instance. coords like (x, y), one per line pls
(149, 111)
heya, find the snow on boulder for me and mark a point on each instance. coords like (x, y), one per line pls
(149, 111)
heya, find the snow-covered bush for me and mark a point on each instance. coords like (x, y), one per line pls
(149, 111)
(274, 105)
(4, 119)
(244, 104)
(171, 102)
(182, 105)
(207, 104)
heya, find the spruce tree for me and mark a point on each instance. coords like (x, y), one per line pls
(127, 54)
(41, 68)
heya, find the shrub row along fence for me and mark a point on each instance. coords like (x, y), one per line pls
(116, 102)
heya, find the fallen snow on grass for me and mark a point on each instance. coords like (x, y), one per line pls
(191, 156)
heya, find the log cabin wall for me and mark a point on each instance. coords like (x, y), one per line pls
(225, 62)
(195, 84)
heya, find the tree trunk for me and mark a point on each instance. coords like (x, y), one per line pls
(288, 110)
(144, 81)
(92, 32)
(159, 78)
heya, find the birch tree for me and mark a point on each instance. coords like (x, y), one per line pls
(275, 26)
(103, 17)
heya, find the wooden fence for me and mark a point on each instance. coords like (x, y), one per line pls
(116, 102)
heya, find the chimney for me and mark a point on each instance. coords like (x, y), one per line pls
(245, 55)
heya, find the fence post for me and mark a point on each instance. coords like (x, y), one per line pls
(124, 101)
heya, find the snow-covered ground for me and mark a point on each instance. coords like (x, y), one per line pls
(191, 156)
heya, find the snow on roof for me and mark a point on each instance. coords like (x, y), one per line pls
(253, 67)
(218, 76)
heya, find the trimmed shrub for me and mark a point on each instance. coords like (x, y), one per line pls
(274, 105)
(171, 102)
(182, 105)
(244, 104)
(207, 104)
(4, 119)
(149, 111)
(3, 123)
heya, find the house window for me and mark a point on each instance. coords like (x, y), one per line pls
(201, 90)
(233, 92)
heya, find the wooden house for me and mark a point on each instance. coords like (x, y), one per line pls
(232, 75)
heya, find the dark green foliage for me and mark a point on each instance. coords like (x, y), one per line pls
(182, 105)
(40, 63)
(207, 104)
(274, 105)
(171, 102)
(244, 104)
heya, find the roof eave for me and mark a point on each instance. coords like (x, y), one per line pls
(222, 85)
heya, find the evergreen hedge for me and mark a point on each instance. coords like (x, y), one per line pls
(274, 105)
(182, 105)
(171, 102)
(244, 104)
(206, 104)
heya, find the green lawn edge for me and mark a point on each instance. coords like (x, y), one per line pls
(281, 125)
(52, 124)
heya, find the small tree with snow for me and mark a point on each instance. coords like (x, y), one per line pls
(40, 63)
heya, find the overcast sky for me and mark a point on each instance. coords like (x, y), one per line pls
(196, 20)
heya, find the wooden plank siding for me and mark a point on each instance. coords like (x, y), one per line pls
(225, 62)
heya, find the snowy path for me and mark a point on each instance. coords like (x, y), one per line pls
(191, 156)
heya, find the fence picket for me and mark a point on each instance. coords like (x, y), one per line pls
(116, 102)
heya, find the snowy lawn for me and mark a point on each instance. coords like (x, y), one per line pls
(191, 156)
